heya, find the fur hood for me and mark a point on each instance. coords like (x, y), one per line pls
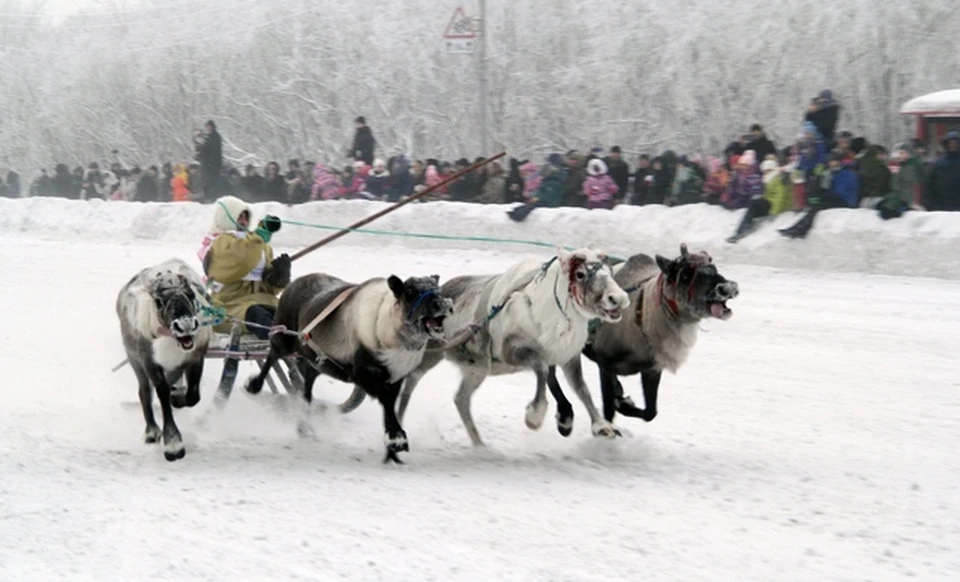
(596, 167)
(225, 213)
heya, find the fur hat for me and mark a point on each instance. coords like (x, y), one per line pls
(769, 166)
(596, 167)
(226, 210)
(749, 158)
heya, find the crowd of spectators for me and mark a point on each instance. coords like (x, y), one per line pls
(822, 168)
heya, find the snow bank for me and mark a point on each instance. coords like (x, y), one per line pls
(919, 244)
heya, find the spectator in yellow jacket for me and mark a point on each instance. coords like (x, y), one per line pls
(776, 198)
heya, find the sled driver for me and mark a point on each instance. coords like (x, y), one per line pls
(242, 274)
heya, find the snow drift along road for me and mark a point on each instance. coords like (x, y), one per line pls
(918, 244)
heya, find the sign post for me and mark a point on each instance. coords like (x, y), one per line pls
(460, 37)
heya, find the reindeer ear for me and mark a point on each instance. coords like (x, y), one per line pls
(396, 286)
(436, 279)
(664, 264)
(683, 250)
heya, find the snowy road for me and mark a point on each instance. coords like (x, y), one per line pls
(811, 437)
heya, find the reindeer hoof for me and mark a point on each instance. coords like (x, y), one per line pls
(151, 435)
(184, 400)
(536, 412)
(396, 442)
(252, 386)
(605, 430)
(392, 456)
(564, 425)
(173, 449)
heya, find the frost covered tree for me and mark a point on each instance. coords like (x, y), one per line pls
(285, 78)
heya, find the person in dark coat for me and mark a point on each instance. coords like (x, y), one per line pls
(619, 171)
(363, 142)
(663, 177)
(148, 188)
(514, 182)
(642, 181)
(63, 182)
(943, 187)
(400, 184)
(760, 143)
(253, 184)
(574, 176)
(464, 189)
(274, 185)
(13, 184)
(210, 157)
(824, 112)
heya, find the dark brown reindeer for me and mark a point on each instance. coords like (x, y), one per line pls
(670, 298)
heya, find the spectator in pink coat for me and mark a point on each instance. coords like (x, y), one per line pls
(599, 188)
(325, 184)
(352, 183)
(531, 179)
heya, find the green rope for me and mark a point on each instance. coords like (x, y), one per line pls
(402, 234)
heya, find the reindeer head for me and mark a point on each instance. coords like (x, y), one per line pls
(421, 303)
(692, 288)
(590, 284)
(176, 305)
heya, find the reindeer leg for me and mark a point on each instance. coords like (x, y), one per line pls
(194, 372)
(255, 383)
(651, 385)
(564, 408)
(517, 351)
(304, 427)
(172, 440)
(611, 390)
(573, 371)
(394, 435)
(624, 404)
(472, 378)
(152, 432)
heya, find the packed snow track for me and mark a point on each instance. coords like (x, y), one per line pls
(811, 437)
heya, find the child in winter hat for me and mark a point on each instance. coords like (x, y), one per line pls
(599, 188)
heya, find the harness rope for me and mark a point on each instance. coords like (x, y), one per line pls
(404, 234)
(496, 309)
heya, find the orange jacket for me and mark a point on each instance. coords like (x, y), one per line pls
(180, 188)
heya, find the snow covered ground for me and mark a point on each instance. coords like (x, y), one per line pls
(811, 437)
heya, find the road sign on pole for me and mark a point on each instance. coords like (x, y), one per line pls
(460, 35)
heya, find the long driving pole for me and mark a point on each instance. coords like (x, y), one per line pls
(389, 209)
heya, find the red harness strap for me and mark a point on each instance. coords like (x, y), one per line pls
(670, 303)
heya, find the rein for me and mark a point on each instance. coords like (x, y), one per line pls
(423, 297)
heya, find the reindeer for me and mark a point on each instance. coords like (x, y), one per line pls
(670, 298)
(372, 334)
(164, 339)
(535, 315)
